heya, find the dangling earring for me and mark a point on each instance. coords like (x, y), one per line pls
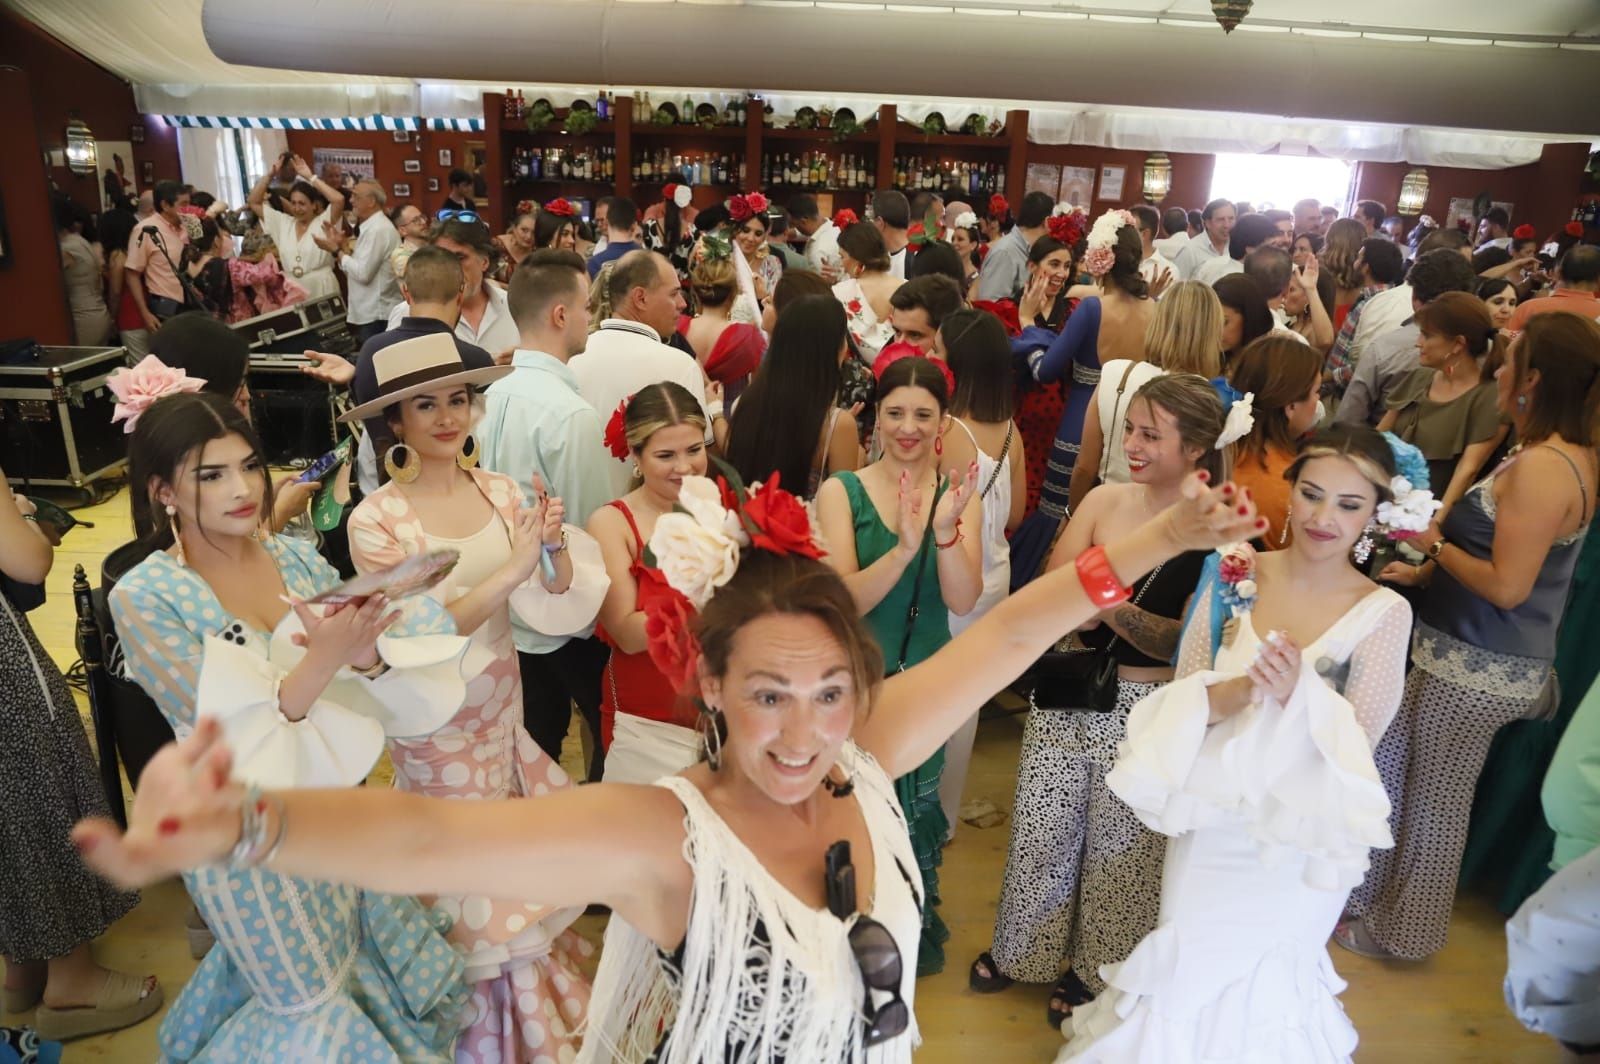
(407, 468)
(710, 728)
(843, 788)
(938, 446)
(177, 541)
(469, 453)
(1522, 402)
(1363, 548)
(1283, 537)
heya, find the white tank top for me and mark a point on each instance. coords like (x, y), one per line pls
(994, 480)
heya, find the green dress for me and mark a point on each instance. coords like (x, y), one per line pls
(1509, 844)
(917, 790)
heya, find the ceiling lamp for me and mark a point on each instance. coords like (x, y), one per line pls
(1157, 176)
(82, 156)
(1413, 192)
(1230, 12)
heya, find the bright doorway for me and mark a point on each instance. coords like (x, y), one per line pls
(1280, 180)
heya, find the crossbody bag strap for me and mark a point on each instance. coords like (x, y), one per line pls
(1136, 600)
(916, 588)
(999, 463)
(1106, 430)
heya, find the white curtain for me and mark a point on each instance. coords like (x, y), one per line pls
(210, 159)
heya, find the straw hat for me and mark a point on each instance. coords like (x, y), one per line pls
(426, 364)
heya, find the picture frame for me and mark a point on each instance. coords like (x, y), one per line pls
(136, 133)
(445, 157)
(1043, 177)
(477, 164)
(1112, 180)
(1077, 186)
(402, 136)
(147, 173)
(412, 166)
(402, 190)
(433, 184)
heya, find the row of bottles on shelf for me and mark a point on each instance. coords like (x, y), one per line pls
(705, 169)
(914, 173)
(733, 113)
(564, 164)
(515, 106)
(815, 169)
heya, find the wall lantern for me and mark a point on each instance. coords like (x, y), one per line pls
(1157, 176)
(1413, 192)
(1230, 13)
(82, 156)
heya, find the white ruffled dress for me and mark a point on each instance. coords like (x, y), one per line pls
(1272, 815)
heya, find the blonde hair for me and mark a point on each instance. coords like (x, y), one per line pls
(713, 281)
(1185, 333)
(1340, 247)
(660, 406)
(1194, 405)
(600, 296)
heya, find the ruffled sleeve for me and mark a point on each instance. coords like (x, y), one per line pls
(573, 610)
(1298, 776)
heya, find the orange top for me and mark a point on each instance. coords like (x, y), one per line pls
(1270, 490)
(1585, 304)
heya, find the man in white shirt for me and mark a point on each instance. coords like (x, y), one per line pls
(485, 320)
(1153, 264)
(536, 421)
(1270, 267)
(891, 213)
(626, 352)
(1218, 219)
(822, 236)
(1175, 223)
(374, 289)
(1253, 231)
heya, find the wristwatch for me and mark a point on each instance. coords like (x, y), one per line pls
(1436, 548)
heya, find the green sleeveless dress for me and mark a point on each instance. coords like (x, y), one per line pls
(918, 790)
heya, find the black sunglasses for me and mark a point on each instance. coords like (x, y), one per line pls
(874, 948)
(450, 213)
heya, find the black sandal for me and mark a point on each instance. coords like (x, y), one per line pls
(993, 982)
(1072, 993)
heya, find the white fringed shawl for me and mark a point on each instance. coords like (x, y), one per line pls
(796, 998)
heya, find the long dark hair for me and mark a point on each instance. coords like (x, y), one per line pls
(778, 422)
(173, 428)
(979, 355)
(547, 225)
(1242, 295)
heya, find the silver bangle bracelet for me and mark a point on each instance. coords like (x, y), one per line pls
(254, 848)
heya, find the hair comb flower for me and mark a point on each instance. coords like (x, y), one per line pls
(616, 437)
(678, 195)
(560, 207)
(1524, 232)
(139, 387)
(998, 207)
(965, 220)
(844, 218)
(1102, 254)
(1241, 419)
(1065, 226)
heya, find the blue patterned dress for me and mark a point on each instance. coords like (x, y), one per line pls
(307, 971)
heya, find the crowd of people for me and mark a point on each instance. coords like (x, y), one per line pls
(1278, 519)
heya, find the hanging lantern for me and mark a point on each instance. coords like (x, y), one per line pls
(1230, 12)
(1157, 176)
(82, 156)
(1413, 192)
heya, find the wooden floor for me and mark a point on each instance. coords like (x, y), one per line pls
(1449, 1008)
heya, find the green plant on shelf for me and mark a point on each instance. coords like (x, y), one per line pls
(581, 121)
(662, 118)
(933, 125)
(844, 128)
(539, 117)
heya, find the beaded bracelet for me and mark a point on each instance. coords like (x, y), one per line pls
(953, 539)
(1099, 582)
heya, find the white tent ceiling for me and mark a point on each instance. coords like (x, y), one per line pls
(1531, 67)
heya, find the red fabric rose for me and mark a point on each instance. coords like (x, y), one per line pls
(669, 629)
(560, 207)
(1067, 228)
(1004, 309)
(844, 218)
(1573, 228)
(668, 190)
(998, 207)
(894, 352)
(1524, 232)
(916, 234)
(758, 202)
(616, 438)
(739, 208)
(782, 525)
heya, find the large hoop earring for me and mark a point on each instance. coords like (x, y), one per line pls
(177, 541)
(470, 453)
(710, 728)
(408, 466)
(938, 446)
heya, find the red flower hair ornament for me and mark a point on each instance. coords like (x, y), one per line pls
(1573, 228)
(894, 352)
(616, 438)
(746, 205)
(844, 218)
(680, 195)
(1067, 228)
(998, 207)
(696, 548)
(1524, 232)
(561, 207)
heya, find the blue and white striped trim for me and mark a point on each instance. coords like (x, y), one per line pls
(370, 122)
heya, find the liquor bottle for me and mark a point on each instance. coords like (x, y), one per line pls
(602, 106)
(860, 178)
(522, 106)
(535, 164)
(738, 160)
(686, 116)
(1000, 178)
(646, 168)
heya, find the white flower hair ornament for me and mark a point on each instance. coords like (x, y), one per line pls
(1241, 419)
(966, 220)
(1102, 254)
(1410, 512)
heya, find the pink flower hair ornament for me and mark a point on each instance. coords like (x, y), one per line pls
(1102, 254)
(139, 387)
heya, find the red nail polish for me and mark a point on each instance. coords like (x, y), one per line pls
(167, 826)
(1204, 476)
(83, 843)
(1243, 510)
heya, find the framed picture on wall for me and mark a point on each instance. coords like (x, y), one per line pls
(477, 161)
(1042, 177)
(402, 190)
(412, 166)
(1111, 179)
(147, 173)
(1460, 215)
(1077, 186)
(445, 158)
(136, 133)
(433, 184)
(402, 136)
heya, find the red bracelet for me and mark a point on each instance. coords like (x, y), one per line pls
(953, 539)
(1099, 582)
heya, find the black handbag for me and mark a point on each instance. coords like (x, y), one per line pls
(1082, 680)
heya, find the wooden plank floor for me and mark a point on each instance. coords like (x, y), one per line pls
(1447, 1009)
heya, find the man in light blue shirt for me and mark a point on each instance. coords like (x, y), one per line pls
(535, 421)
(1005, 267)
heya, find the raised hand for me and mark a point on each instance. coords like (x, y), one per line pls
(301, 167)
(184, 815)
(1033, 299)
(1208, 517)
(290, 497)
(346, 636)
(1160, 283)
(951, 504)
(329, 368)
(910, 516)
(1276, 668)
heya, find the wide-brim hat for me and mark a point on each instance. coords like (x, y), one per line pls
(428, 363)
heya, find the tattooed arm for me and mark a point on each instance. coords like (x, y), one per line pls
(1150, 633)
